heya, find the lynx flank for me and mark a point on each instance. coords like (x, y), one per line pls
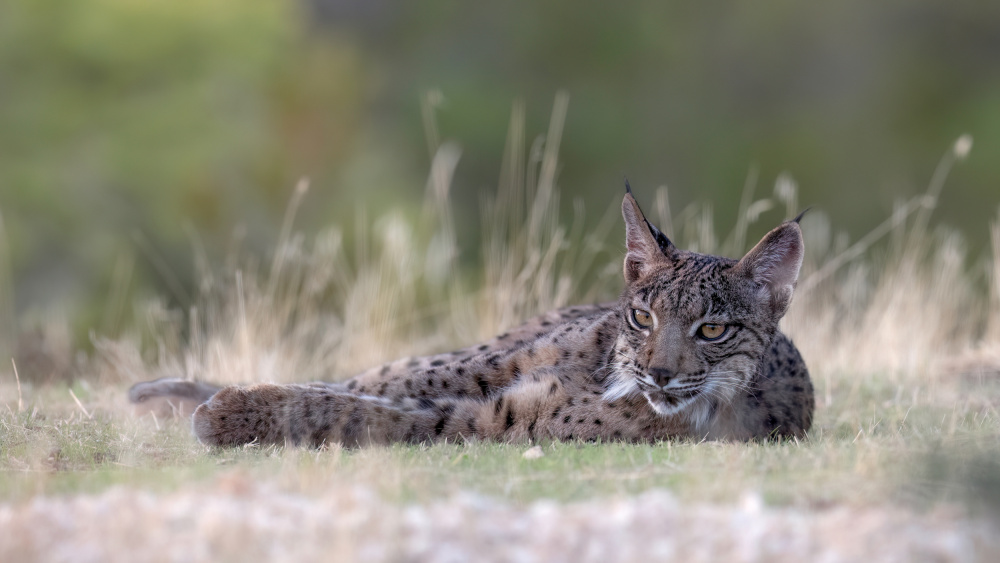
(691, 349)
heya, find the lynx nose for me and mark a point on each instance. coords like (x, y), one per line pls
(662, 376)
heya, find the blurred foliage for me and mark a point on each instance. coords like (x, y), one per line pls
(123, 123)
(133, 131)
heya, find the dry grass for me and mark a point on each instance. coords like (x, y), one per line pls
(901, 335)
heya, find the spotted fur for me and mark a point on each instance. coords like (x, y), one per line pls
(590, 372)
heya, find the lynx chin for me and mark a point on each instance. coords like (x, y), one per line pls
(690, 349)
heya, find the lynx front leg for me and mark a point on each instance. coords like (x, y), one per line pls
(315, 415)
(539, 407)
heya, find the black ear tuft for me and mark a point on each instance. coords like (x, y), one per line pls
(628, 188)
(798, 218)
(661, 239)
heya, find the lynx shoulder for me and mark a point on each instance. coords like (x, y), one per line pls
(690, 349)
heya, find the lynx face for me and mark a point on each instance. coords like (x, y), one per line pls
(695, 328)
(678, 341)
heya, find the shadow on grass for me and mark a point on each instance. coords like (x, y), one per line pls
(967, 474)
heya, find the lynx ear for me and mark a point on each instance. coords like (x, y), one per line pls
(646, 245)
(774, 264)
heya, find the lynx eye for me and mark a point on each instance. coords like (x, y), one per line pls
(710, 332)
(642, 319)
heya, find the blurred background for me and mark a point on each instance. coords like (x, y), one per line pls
(135, 135)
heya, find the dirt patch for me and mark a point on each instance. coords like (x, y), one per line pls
(238, 519)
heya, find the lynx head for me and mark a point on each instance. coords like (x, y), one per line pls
(695, 328)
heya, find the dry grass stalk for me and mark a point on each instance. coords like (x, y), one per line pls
(20, 398)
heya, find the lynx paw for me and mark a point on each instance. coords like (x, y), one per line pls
(242, 415)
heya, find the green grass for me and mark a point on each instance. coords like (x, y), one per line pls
(872, 445)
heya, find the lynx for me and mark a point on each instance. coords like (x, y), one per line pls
(690, 349)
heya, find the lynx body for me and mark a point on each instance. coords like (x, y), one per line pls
(690, 349)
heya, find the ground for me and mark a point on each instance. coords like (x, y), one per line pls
(885, 474)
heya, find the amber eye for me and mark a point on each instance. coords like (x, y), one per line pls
(710, 331)
(642, 319)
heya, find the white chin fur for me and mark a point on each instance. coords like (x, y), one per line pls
(700, 415)
(664, 409)
(622, 385)
(696, 410)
